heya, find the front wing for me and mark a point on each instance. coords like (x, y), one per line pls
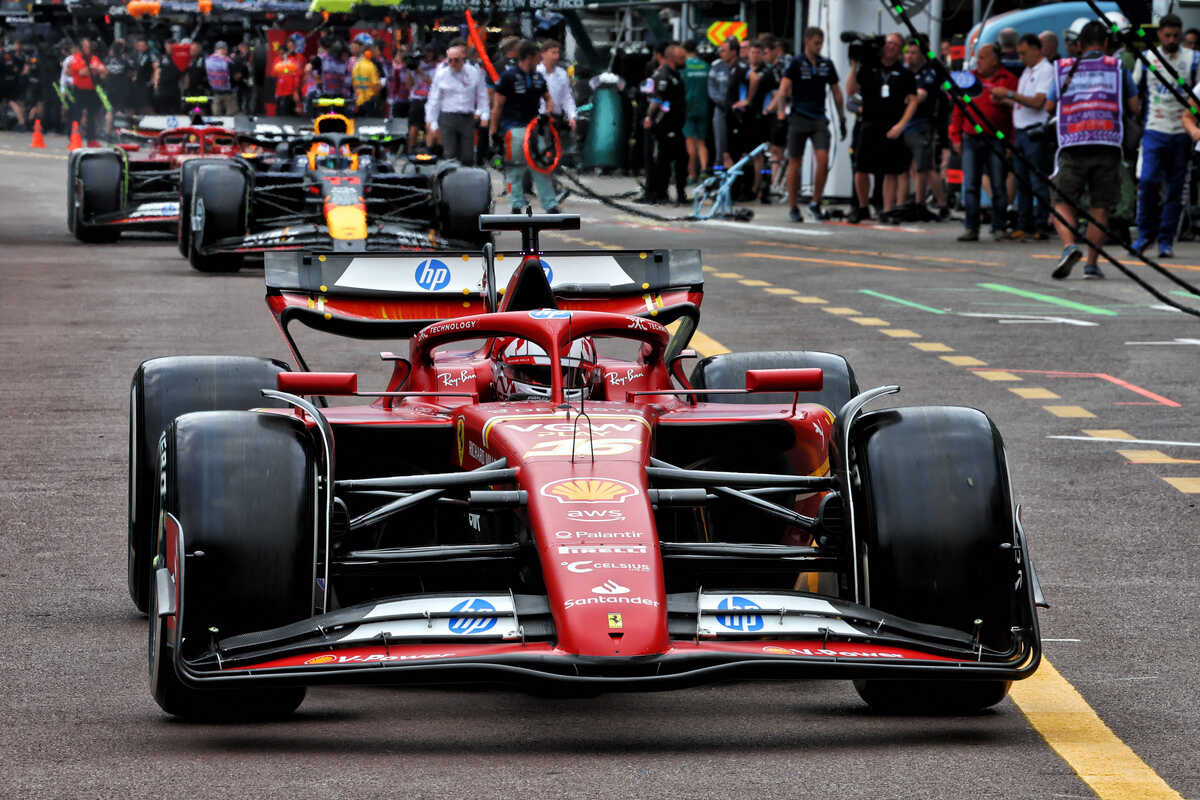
(381, 237)
(508, 639)
(159, 215)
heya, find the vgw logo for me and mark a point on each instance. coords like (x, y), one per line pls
(432, 275)
(466, 625)
(740, 622)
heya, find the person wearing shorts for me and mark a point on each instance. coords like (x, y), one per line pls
(695, 126)
(889, 100)
(920, 137)
(804, 83)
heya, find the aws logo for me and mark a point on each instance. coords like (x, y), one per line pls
(590, 490)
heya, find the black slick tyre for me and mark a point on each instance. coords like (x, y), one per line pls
(728, 371)
(934, 518)
(218, 208)
(162, 389)
(96, 185)
(250, 563)
(187, 178)
(463, 193)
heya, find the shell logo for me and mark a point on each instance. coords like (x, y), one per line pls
(590, 490)
(325, 659)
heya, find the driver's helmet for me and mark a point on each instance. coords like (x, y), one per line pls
(327, 156)
(524, 370)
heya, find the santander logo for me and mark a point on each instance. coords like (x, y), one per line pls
(610, 587)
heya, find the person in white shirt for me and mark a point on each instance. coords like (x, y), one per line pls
(457, 103)
(1166, 148)
(1033, 220)
(558, 84)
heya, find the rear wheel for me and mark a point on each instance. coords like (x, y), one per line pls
(187, 178)
(463, 194)
(935, 528)
(248, 563)
(165, 388)
(218, 211)
(97, 186)
(728, 371)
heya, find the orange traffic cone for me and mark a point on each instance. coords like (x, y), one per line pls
(38, 141)
(76, 141)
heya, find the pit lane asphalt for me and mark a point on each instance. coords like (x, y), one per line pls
(1115, 543)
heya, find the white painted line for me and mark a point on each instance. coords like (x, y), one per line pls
(747, 226)
(1127, 441)
(1173, 341)
(1060, 640)
(1028, 318)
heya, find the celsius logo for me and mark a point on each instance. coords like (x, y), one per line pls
(432, 275)
(610, 587)
(466, 625)
(740, 622)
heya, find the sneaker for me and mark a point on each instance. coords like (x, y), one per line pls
(794, 215)
(859, 214)
(817, 212)
(1070, 257)
(1001, 236)
(1019, 236)
(1166, 252)
(969, 236)
(1140, 244)
(1092, 271)
(943, 214)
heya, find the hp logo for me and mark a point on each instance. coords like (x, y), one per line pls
(549, 313)
(432, 275)
(741, 622)
(467, 625)
(549, 272)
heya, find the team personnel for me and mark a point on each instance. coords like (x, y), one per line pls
(979, 155)
(457, 103)
(889, 100)
(84, 69)
(419, 93)
(664, 120)
(519, 94)
(558, 84)
(223, 99)
(367, 82)
(1166, 148)
(1028, 101)
(718, 91)
(804, 84)
(695, 127)
(1089, 140)
(289, 71)
(921, 134)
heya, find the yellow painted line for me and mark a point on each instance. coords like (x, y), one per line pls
(727, 275)
(1034, 393)
(1185, 485)
(840, 311)
(1107, 433)
(707, 268)
(808, 299)
(1070, 412)
(900, 333)
(824, 261)
(932, 347)
(705, 345)
(870, 322)
(1106, 764)
(1154, 457)
(996, 375)
(878, 254)
(963, 361)
(31, 154)
(1192, 267)
(780, 290)
(754, 282)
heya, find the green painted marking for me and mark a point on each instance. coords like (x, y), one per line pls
(1047, 298)
(1182, 293)
(902, 301)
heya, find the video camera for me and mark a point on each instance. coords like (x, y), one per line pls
(864, 49)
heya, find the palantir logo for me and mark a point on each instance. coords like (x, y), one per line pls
(467, 625)
(740, 622)
(432, 275)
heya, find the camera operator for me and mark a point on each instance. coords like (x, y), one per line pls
(889, 100)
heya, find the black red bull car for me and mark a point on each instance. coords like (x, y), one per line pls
(541, 496)
(332, 190)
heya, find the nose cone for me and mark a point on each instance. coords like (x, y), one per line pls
(347, 222)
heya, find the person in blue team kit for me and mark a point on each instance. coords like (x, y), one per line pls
(519, 92)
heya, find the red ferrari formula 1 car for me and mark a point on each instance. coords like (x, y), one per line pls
(541, 497)
(134, 186)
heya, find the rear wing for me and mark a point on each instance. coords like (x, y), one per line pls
(394, 295)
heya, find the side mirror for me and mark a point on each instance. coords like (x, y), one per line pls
(779, 380)
(317, 383)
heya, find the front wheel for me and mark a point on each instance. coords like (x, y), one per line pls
(936, 535)
(218, 208)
